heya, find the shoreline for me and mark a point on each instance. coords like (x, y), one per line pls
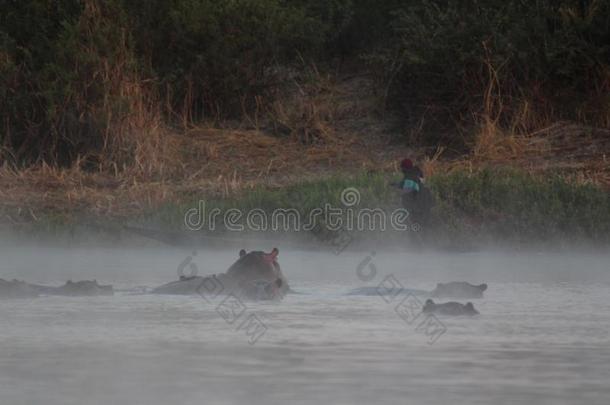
(492, 206)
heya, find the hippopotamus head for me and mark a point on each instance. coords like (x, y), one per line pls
(459, 289)
(429, 306)
(259, 272)
(449, 308)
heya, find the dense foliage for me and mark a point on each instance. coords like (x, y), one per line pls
(520, 61)
(76, 74)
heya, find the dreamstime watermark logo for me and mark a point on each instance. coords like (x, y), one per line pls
(406, 305)
(347, 217)
(350, 197)
(231, 308)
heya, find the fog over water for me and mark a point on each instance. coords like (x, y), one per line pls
(543, 335)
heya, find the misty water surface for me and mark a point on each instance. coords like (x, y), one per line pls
(542, 337)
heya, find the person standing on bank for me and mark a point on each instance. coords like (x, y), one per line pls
(414, 195)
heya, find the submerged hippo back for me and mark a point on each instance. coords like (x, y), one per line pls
(16, 289)
(82, 288)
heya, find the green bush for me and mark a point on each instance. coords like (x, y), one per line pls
(71, 71)
(66, 61)
(68, 68)
(509, 204)
(553, 54)
(212, 55)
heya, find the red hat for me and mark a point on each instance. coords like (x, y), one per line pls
(406, 164)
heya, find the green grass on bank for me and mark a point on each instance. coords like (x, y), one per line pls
(373, 191)
(490, 205)
(510, 204)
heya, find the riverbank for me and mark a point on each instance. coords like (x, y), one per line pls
(491, 206)
(345, 143)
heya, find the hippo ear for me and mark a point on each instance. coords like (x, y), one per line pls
(242, 253)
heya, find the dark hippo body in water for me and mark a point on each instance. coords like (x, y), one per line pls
(458, 289)
(21, 289)
(454, 289)
(16, 289)
(255, 275)
(184, 286)
(449, 308)
(85, 288)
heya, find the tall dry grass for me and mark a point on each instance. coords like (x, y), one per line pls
(304, 110)
(135, 139)
(493, 139)
(91, 107)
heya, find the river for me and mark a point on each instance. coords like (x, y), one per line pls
(543, 335)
